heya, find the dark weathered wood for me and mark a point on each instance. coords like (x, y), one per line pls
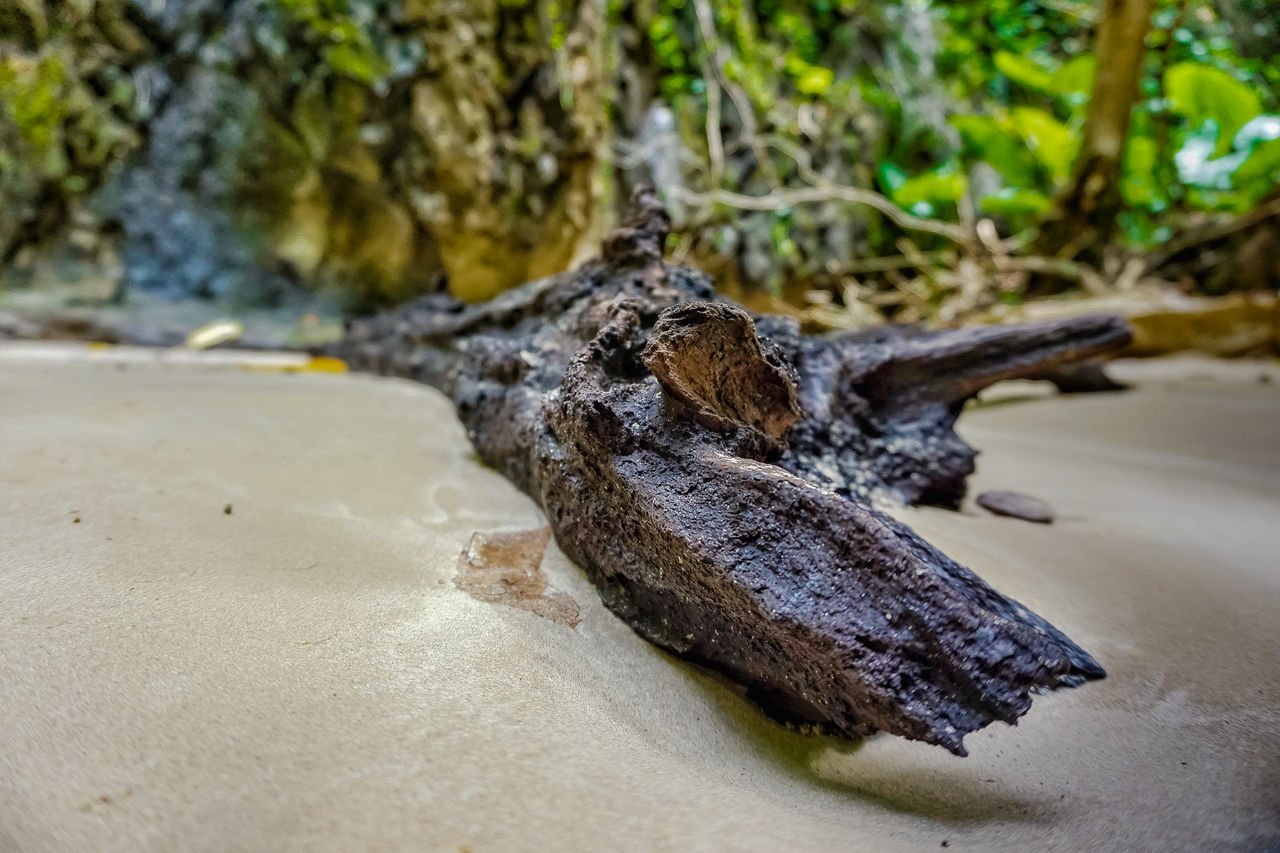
(715, 474)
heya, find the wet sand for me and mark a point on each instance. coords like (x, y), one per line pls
(303, 672)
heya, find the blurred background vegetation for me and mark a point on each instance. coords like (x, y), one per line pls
(848, 161)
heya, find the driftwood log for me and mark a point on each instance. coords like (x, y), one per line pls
(716, 475)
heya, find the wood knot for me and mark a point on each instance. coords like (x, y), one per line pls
(707, 356)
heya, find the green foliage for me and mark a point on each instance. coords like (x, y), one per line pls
(1051, 142)
(976, 34)
(1202, 93)
(1013, 202)
(995, 142)
(1024, 71)
(925, 194)
(346, 33)
(815, 80)
(1016, 74)
(1073, 81)
(1187, 148)
(1140, 184)
(1262, 147)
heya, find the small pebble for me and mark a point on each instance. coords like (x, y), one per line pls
(1015, 505)
(226, 510)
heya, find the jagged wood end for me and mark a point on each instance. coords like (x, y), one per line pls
(830, 612)
(713, 473)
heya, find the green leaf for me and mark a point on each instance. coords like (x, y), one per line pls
(931, 189)
(1141, 155)
(1262, 164)
(1024, 71)
(1258, 145)
(998, 145)
(1012, 202)
(815, 80)
(1139, 185)
(1073, 82)
(891, 176)
(1053, 143)
(1203, 93)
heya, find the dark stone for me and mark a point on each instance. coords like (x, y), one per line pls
(1015, 505)
(656, 424)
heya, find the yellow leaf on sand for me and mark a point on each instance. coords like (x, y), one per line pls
(315, 364)
(326, 364)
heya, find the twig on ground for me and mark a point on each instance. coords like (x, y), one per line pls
(828, 192)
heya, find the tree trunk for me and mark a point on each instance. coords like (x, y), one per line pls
(1083, 220)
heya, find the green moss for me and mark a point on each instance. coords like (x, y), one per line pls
(346, 32)
(36, 98)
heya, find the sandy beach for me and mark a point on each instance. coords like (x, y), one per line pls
(229, 621)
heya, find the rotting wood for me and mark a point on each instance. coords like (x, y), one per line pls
(717, 476)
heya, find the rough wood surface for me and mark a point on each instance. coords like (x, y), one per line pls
(716, 475)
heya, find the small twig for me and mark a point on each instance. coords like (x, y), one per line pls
(803, 159)
(715, 143)
(1086, 237)
(716, 79)
(921, 263)
(829, 192)
(1018, 241)
(1130, 273)
(635, 155)
(888, 262)
(1062, 267)
(1210, 234)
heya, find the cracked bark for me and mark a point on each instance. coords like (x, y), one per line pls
(717, 476)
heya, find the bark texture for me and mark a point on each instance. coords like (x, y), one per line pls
(715, 474)
(1083, 220)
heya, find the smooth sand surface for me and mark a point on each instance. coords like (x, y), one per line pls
(304, 674)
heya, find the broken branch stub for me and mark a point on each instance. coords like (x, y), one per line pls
(715, 476)
(706, 355)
